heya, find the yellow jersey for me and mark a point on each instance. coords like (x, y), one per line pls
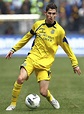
(47, 39)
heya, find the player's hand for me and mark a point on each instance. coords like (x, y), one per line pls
(9, 55)
(77, 70)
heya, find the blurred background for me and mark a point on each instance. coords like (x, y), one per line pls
(70, 17)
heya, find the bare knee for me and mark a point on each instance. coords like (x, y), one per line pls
(43, 92)
(20, 80)
(44, 87)
(23, 76)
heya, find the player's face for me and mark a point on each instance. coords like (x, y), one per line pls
(50, 16)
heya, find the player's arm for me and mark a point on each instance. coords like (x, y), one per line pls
(65, 45)
(20, 44)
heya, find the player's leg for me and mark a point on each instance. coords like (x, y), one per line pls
(18, 85)
(43, 78)
(46, 93)
(25, 71)
(17, 88)
(43, 85)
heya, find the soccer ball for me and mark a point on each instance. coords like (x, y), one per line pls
(32, 101)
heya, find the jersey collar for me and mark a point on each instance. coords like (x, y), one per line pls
(50, 25)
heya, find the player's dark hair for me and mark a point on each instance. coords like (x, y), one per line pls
(51, 6)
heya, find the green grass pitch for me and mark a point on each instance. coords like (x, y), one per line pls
(67, 87)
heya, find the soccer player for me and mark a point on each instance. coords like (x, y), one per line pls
(48, 36)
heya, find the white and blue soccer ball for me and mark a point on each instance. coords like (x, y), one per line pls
(32, 101)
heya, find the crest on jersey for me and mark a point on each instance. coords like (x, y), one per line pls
(52, 31)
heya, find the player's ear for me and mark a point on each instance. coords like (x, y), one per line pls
(44, 12)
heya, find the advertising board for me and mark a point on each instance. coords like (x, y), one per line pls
(76, 42)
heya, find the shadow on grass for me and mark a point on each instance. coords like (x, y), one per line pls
(35, 110)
